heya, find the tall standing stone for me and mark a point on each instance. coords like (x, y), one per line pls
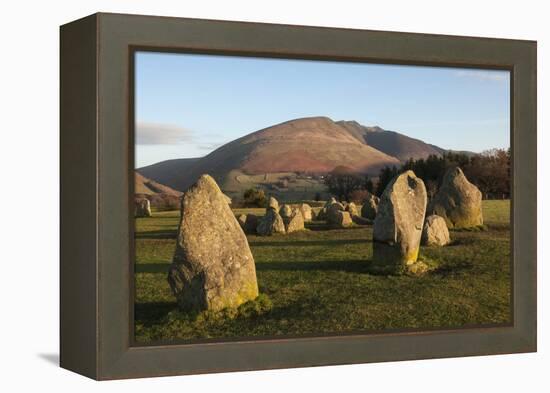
(398, 224)
(458, 201)
(212, 267)
(142, 208)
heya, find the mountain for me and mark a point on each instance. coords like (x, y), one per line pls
(313, 145)
(390, 142)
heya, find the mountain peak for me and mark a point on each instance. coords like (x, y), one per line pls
(375, 129)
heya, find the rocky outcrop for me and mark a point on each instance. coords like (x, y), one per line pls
(458, 201)
(398, 224)
(212, 267)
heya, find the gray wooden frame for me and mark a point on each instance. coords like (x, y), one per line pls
(97, 182)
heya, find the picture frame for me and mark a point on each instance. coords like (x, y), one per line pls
(96, 142)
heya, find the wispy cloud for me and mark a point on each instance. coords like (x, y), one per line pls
(209, 146)
(484, 75)
(161, 134)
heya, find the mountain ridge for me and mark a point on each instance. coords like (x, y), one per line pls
(393, 143)
(304, 145)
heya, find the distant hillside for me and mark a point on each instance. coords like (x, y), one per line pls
(147, 186)
(160, 196)
(312, 145)
(390, 142)
(169, 172)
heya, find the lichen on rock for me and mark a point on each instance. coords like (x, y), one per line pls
(213, 267)
(458, 201)
(398, 224)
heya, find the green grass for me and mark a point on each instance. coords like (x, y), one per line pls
(318, 282)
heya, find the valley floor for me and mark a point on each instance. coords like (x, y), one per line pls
(318, 282)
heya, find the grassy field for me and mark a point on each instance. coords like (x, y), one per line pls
(298, 187)
(318, 282)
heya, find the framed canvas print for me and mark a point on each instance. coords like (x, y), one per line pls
(241, 196)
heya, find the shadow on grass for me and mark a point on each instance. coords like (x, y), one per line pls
(354, 266)
(152, 267)
(158, 234)
(449, 270)
(322, 226)
(498, 226)
(303, 243)
(151, 313)
(457, 242)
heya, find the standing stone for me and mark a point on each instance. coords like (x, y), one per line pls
(285, 211)
(340, 219)
(361, 220)
(306, 211)
(352, 209)
(370, 207)
(271, 223)
(332, 215)
(273, 204)
(213, 267)
(251, 223)
(435, 232)
(322, 215)
(242, 220)
(142, 208)
(458, 201)
(398, 224)
(295, 222)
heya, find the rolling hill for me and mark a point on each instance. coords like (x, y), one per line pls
(161, 197)
(147, 186)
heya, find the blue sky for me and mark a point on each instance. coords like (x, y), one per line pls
(188, 105)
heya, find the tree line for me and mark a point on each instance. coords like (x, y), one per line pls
(489, 171)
